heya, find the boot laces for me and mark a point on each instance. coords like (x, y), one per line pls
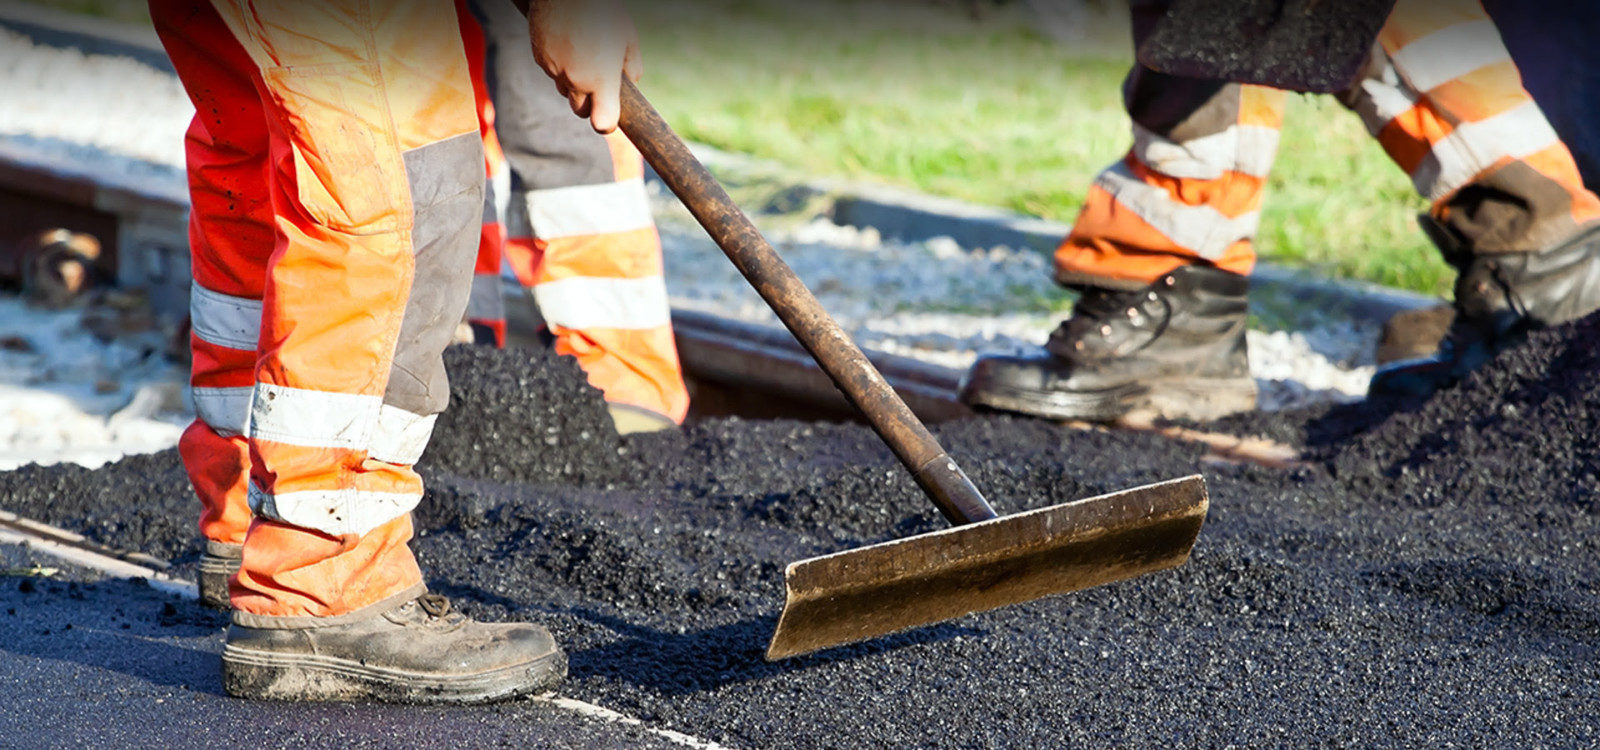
(1095, 306)
(437, 606)
(1098, 303)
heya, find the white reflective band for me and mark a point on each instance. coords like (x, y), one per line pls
(1476, 146)
(1390, 98)
(224, 320)
(500, 182)
(313, 419)
(1241, 148)
(589, 209)
(225, 410)
(583, 302)
(335, 512)
(1202, 229)
(401, 436)
(1450, 53)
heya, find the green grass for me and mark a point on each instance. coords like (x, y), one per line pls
(920, 94)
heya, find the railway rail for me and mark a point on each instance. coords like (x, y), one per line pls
(733, 367)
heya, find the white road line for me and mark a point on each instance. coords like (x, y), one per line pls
(115, 568)
(605, 714)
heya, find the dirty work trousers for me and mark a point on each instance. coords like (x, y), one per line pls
(1439, 92)
(579, 233)
(336, 173)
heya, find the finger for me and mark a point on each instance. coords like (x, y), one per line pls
(607, 101)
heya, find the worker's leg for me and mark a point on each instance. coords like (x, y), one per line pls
(581, 235)
(486, 311)
(375, 174)
(1189, 191)
(1161, 252)
(230, 239)
(1508, 208)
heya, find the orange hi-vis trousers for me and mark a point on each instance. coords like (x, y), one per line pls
(1441, 95)
(579, 230)
(336, 174)
(486, 309)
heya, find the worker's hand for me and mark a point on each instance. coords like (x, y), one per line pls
(586, 46)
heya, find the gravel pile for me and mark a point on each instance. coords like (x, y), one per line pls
(1434, 571)
(70, 394)
(138, 113)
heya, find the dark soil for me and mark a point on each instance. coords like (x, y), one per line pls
(1428, 580)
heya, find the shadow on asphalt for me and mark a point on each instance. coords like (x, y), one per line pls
(122, 626)
(704, 660)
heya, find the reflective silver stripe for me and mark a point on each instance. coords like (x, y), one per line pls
(1202, 229)
(225, 410)
(1388, 98)
(336, 512)
(1450, 53)
(1241, 148)
(1476, 146)
(589, 209)
(401, 436)
(224, 320)
(500, 184)
(585, 302)
(313, 419)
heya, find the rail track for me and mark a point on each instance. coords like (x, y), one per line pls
(733, 367)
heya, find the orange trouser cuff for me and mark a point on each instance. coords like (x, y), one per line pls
(288, 571)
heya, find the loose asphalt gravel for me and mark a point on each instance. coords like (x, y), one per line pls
(1428, 578)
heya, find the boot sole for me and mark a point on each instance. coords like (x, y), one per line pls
(1198, 399)
(1097, 406)
(266, 675)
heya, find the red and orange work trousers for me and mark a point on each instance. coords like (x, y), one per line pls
(336, 173)
(567, 212)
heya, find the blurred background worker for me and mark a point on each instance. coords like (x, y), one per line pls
(568, 211)
(336, 171)
(1163, 247)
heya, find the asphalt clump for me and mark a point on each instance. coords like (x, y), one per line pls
(1427, 578)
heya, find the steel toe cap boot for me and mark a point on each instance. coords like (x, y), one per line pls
(1176, 347)
(1500, 297)
(419, 652)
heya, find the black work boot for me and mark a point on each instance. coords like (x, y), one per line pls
(417, 652)
(1500, 298)
(218, 564)
(1175, 347)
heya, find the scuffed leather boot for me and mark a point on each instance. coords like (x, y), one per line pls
(218, 564)
(1500, 298)
(420, 651)
(1176, 347)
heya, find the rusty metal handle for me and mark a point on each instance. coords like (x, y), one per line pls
(855, 376)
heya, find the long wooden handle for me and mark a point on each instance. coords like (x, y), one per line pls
(940, 478)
